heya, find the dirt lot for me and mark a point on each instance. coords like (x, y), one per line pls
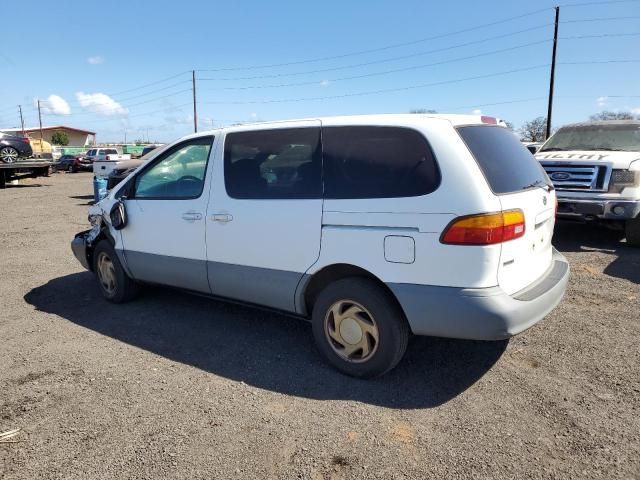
(178, 386)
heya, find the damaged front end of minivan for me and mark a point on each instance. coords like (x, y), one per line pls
(101, 225)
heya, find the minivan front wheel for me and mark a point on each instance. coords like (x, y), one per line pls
(359, 328)
(114, 283)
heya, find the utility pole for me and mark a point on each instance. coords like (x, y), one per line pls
(553, 73)
(40, 120)
(21, 118)
(195, 113)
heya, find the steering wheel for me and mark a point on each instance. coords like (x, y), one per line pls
(188, 183)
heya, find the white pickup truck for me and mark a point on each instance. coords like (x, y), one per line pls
(595, 168)
(105, 160)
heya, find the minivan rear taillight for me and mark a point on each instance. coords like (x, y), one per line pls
(485, 228)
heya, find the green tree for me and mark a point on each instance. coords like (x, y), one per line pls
(60, 138)
(608, 115)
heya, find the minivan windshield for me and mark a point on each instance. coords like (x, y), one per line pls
(623, 137)
(507, 165)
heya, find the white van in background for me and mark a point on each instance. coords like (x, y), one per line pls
(373, 227)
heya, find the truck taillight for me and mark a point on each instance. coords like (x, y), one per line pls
(107, 158)
(485, 228)
(26, 140)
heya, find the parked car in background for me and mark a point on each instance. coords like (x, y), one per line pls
(83, 163)
(13, 147)
(373, 227)
(149, 148)
(126, 167)
(595, 168)
(67, 163)
(105, 160)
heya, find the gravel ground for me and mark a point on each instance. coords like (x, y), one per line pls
(178, 386)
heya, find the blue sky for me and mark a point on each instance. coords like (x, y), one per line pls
(106, 66)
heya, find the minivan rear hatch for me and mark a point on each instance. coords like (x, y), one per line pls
(520, 183)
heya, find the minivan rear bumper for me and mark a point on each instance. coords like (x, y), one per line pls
(483, 313)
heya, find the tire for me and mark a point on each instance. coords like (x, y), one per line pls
(114, 283)
(632, 231)
(70, 168)
(374, 313)
(9, 154)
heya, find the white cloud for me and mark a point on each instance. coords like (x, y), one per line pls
(100, 103)
(635, 111)
(53, 105)
(325, 83)
(602, 101)
(95, 60)
(477, 111)
(254, 116)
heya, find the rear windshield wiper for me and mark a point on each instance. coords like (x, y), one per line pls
(539, 184)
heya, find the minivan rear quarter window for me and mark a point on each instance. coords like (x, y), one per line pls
(507, 165)
(377, 162)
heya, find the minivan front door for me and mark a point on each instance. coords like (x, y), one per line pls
(164, 240)
(265, 213)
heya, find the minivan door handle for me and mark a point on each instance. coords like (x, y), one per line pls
(221, 217)
(191, 216)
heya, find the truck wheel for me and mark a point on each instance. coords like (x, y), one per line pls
(632, 232)
(114, 283)
(359, 328)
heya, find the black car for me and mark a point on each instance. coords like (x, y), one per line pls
(66, 162)
(14, 147)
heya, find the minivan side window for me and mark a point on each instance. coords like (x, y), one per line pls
(377, 162)
(177, 174)
(273, 164)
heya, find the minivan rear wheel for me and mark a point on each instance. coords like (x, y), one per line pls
(114, 283)
(359, 328)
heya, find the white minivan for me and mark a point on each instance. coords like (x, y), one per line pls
(374, 227)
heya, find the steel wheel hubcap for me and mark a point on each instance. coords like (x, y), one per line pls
(351, 331)
(9, 155)
(106, 273)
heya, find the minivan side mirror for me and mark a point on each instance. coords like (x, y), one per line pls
(118, 216)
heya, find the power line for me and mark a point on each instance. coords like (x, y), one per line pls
(598, 62)
(584, 4)
(386, 90)
(601, 19)
(376, 62)
(380, 49)
(603, 35)
(147, 85)
(412, 87)
(387, 72)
